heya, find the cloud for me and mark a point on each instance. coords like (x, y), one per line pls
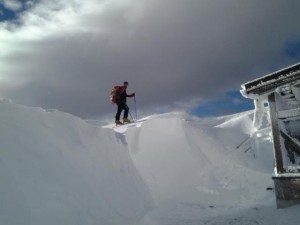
(68, 54)
(13, 5)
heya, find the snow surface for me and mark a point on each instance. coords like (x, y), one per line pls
(170, 169)
(57, 169)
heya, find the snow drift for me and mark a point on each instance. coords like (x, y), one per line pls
(213, 171)
(57, 169)
(196, 163)
(169, 169)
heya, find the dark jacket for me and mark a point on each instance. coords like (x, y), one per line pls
(123, 95)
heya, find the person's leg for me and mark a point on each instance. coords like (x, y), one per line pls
(120, 108)
(126, 111)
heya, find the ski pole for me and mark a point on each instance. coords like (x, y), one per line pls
(130, 115)
(129, 111)
(135, 108)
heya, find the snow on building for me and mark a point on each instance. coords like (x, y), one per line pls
(281, 90)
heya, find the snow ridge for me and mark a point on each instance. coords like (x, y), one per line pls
(170, 169)
(57, 169)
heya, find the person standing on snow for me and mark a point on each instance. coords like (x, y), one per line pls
(121, 103)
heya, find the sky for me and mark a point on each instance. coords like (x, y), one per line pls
(175, 54)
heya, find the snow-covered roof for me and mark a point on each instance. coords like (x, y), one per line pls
(270, 82)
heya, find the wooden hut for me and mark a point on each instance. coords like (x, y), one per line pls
(281, 90)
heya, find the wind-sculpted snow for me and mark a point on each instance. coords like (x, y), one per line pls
(181, 160)
(212, 171)
(56, 169)
(170, 169)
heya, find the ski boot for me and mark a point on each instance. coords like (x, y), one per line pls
(118, 122)
(126, 120)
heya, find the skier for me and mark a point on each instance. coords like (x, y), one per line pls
(121, 103)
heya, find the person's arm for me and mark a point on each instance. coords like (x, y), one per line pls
(133, 94)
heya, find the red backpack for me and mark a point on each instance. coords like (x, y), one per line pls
(115, 93)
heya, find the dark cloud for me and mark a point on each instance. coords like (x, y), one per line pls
(169, 51)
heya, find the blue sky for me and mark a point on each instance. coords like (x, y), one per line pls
(10, 9)
(6, 14)
(292, 49)
(67, 54)
(232, 102)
